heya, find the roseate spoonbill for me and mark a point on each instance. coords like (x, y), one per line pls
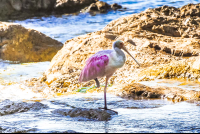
(105, 63)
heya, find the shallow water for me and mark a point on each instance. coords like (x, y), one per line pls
(133, 115)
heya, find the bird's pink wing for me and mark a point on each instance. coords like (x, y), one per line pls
(95, 67)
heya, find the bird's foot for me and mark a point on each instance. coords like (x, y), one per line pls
(105, 108)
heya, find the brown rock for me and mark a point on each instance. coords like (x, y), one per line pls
(16, 4)
(174, 94)
(93, 7)
(94, 114)
(102, 6)
(71, 6)
(25, 45)
(115, 6)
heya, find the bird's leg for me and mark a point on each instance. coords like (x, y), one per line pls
(97, 82)
(105, 103)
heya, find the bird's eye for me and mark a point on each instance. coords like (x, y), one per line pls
(121, 44)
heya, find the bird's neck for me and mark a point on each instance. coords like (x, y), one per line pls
(120, 52)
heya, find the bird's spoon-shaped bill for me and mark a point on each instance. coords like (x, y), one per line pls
(124, 48)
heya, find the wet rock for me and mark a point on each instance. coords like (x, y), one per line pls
(116, 6)
(93, 7)
(71, 6)
(91, 114)
(10, 107)
(195, 101)
(18, 130)
(25, 45)
(101, 7)
(137, 90)
(174, 97)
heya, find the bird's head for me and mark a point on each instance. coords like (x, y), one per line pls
(120, 44)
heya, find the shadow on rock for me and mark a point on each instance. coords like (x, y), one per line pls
(91, 114)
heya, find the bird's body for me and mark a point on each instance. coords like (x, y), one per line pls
(104, 63)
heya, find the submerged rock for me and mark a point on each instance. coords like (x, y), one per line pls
(10, 107)
(25, 45)
(91, 114)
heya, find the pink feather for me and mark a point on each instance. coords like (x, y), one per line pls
(94, 68)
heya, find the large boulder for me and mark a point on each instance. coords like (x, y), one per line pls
(26, 45)
(161, 50)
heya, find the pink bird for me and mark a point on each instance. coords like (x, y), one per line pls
(105, 63)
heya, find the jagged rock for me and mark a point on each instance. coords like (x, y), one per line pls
(25, 45)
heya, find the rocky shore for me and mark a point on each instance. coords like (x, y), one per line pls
(168, 46)
(21, 9)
